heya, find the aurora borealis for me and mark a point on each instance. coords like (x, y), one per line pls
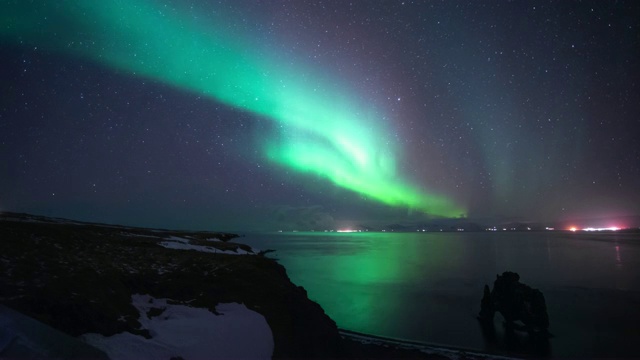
(318, 114)
(168, 47)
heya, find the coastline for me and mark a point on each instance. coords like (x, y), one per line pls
(82, 279)
(79, 278)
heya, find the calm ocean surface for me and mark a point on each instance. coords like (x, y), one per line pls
(427, 286)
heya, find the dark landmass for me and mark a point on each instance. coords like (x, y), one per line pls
(626, 223)
(79, 278)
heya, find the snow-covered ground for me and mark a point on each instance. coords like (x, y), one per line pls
(183, 244)
(190, 333)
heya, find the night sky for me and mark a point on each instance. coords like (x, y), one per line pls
(267, 115)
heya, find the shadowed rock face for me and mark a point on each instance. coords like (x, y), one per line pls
(516, 302)
(79, 278)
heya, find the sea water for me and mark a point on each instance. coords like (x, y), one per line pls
(427, 286)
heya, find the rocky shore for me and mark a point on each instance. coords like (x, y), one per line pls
(79, 278)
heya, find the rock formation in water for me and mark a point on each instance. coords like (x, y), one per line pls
(516, 302)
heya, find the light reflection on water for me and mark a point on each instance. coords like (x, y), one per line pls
(427, 286)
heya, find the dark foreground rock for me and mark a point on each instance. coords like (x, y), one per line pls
(79, 278)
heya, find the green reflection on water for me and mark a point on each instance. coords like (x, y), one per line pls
(428, 286)
(361, 279)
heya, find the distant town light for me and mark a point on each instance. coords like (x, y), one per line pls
(611, 228)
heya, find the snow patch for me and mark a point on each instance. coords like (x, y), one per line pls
(186, 246)
(191, 333)
(178, 239)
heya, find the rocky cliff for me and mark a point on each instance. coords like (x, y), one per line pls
(79, 278)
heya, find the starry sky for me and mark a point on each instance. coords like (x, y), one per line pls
(267, 115)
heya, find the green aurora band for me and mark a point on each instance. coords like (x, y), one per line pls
(325, 132)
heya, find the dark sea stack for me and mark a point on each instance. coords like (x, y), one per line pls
(516, 302)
